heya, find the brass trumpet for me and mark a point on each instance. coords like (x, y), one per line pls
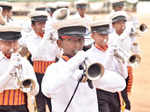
(140, 29)
(126, 56)
(25, 81)
(143, 27)
(93, 71)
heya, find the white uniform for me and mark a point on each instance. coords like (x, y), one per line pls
(112, 80)
(49, 29)
(40, 48)
(59, 82)
(6, 80)
(124, 41)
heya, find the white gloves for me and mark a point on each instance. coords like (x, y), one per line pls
(51, 35)
(77, 60)
(77, 74)
(14, 63)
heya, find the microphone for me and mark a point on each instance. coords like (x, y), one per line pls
(90, 83)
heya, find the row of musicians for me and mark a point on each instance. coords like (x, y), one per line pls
(60, 78)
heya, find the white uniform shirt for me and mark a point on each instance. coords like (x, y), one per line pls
(124, 41)
(59, 83)
(41, 49)
(8, 82)
(112, 80)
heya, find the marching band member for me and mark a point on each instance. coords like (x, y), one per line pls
(132, 23)
(117, 5)
(6, 12)
(112, 81)
(81, 6)
(61, 78)
(122, 39)
(12, 96)
(43, 52)
(51, 8)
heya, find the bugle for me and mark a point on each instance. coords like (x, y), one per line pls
(126, 56)
(25, 82)
(140, 29)
(93, 71)
(143, 27)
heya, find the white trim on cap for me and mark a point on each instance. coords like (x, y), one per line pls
(10, 28)
(38, 13)
(70, 22)
(119, 13)
(5, 4)
(115, 1)
(100, 22)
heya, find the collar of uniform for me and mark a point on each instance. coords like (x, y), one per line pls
(122, 36)
(40, 35)
(65, 57)
(34, 35)
(101, 48)
(78, 15)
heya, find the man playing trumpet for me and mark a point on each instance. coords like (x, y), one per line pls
(43, 51)
(61, 78)
(127, 46)
(112, 81)
(12, 67)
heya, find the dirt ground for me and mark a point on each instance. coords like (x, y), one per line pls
(140, 96)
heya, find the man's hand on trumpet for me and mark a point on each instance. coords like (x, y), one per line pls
(78, 75)
(51, 35)
(77, 60)
(75, 63)
(14, 64)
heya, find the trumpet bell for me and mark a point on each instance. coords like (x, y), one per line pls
(143, 27)
(95, 71)
(27, 85)
(135, 58)
(139, 30)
